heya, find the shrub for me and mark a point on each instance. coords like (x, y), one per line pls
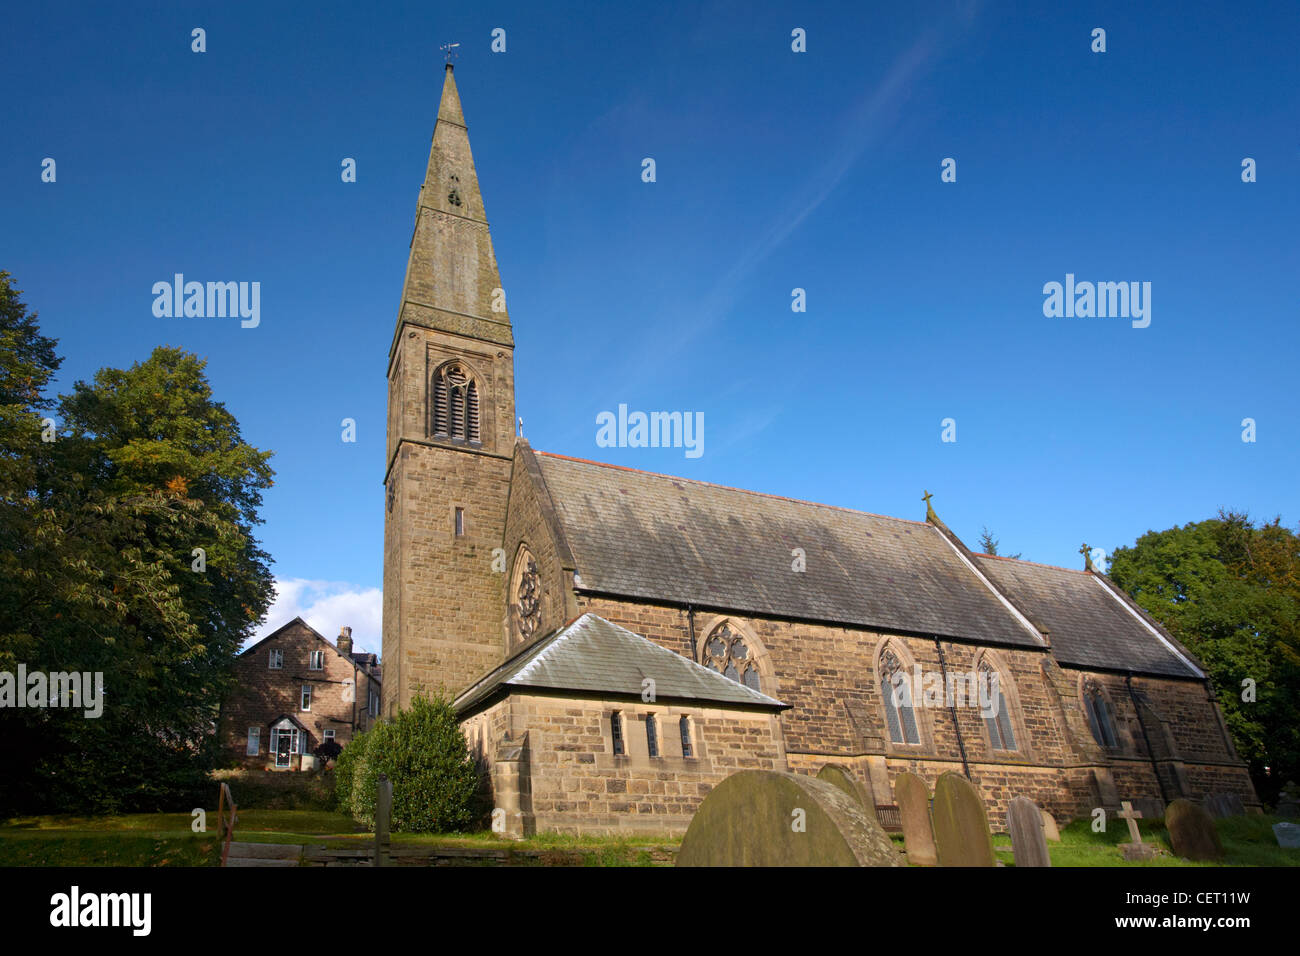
(435, 777)
(327, 751)
(350, 760)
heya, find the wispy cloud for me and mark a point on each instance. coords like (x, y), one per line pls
(327, 606)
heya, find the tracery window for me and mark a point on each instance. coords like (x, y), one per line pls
(1101, 716)
(997, 719)
(454, 404)
(896, 692)
(527, 596)
(726, 652)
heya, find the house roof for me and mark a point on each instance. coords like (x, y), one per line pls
(1090, 621)
(594, 656)
(358, 658)
(638, 534)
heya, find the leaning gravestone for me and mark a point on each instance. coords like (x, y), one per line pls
(913, 799)
(961, 827)
(1050, 830)
(1028, 842)
(764, 818)
(1191, 831)
(1288, 802)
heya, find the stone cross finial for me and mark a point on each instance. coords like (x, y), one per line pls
(929, 510)
(1131, 816)
(1087, 557)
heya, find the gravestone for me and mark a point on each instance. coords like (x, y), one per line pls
(844, 780)
(1191, 831)
(1050, 829)
(1135, 849)
(765, 818)
(1288, 835)
(1288, 801)
(1220, 805)
(383, 818)
(1028, 842)
(961, 827)
(913, 799)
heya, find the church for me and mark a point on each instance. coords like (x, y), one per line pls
(618, 642)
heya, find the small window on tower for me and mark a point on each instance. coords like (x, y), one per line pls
(460, 522)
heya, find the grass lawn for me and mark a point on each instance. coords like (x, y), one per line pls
(1247, 841)
(166, 839)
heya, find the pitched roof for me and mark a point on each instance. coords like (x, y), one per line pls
(375, 672)
(1090, 623)
(593, 656)
(638, 534)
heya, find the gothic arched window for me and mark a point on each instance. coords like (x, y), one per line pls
(997, 716)
(454, 404)
(1101, 716)
(727, 653)
(896, 691)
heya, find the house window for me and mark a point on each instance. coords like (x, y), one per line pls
(373, 706)
(726, 652)
(685, 725)
(317, 661)
(1100, 716)
(997, 719)
(651, 735)
(454, 408)
(306, 696)
(896, 692)
(254, 741)
(459, 522)
(277, 660)
(616, 732)
(329, 736)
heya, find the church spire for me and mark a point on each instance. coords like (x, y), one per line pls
(452, 283)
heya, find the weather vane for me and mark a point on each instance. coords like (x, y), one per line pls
(449, 51)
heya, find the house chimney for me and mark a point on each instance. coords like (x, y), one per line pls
(345, 641)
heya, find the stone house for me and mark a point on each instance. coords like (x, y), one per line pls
(529, 586)
(293, 691)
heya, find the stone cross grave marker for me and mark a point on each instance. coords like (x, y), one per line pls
(961, 827)
(1135, 849)
(1028, 841)
(913, 799)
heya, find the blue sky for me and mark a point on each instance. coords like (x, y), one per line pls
(775, 170)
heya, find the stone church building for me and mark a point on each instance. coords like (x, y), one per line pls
(618, 642)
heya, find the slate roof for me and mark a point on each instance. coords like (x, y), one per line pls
(1089, 624)
(593, 656)
(638, 534)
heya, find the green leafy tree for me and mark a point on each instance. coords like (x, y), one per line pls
(435, 777)
(1229, 590)
(100, 573)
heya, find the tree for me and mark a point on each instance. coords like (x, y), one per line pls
(1229, 590)
(989, 544)
(100, 575)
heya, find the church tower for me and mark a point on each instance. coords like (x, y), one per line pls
(451, 414)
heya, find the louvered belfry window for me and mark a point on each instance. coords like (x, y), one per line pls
(455, 404)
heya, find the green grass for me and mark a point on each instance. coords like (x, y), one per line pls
(166, 839)
(1247, 841)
